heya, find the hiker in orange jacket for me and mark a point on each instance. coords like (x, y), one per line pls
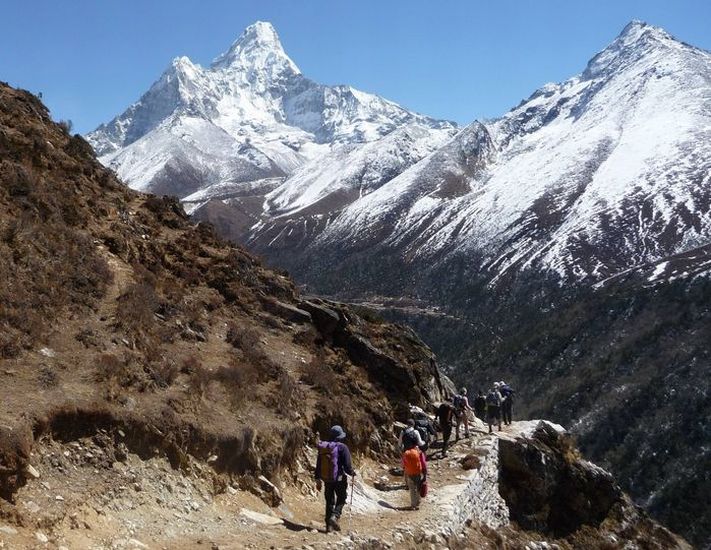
(414, 465)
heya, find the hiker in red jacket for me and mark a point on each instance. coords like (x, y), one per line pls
(414, 465)
(333, 464)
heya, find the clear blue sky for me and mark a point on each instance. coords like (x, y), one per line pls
(458, 60)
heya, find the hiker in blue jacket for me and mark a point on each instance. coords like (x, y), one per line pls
(507, 397)
(333, 462)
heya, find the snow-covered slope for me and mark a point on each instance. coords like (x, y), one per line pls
(354, 171)
(251, 115)
(586, 178)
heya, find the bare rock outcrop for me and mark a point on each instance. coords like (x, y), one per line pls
(550, 489)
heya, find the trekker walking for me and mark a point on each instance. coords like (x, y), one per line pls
(493, 407)
(507, 394)
(333, 464)
(410, 437)
(414, 466)
(461, 408)
(445, 417)
(480, 406)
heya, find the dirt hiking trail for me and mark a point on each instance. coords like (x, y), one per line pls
(88, 495)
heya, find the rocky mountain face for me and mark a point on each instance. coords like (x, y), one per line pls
(587, 178)
(563, 246)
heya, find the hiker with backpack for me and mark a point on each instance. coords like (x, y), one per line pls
(480, 406)
(445, 418)
(507, 394)
(333, 465)
(493, 407)
(414, 466)
(461, 410)
(410, 437)
(424, 427)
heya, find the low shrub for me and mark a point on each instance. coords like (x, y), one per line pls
(136, 308)
(163, 373)
(288, 394)
(47, 377)
(241, 337)
(319, 374)
(240, 381)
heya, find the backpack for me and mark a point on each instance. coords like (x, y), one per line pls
(422, 427)
(458, 402)
(444, 414)
(493, 399)
(409, 440)
(328, 466)
(506, 392)
(411, 462)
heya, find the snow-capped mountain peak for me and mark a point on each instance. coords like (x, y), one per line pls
(637, 40)
(258, 48)
(636, 31)
(183, 75)
(250, 116)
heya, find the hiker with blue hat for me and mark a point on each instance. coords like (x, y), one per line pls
(333, 465)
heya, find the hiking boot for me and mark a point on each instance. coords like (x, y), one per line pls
(333, 524)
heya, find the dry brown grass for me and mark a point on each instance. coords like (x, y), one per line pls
(288, 395)
(319, 373)
(48, 264)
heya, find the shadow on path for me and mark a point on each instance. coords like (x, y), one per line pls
(293, 526)
(385, 504)
(385, 487)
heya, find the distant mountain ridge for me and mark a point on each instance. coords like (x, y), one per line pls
(301, 169)
(586, 178)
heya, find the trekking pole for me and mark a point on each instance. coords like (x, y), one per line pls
(350, 508)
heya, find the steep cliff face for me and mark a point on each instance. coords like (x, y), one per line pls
(550, 489)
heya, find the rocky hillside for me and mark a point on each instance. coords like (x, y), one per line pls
(118, 313)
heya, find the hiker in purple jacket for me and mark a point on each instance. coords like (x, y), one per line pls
(333, 462)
